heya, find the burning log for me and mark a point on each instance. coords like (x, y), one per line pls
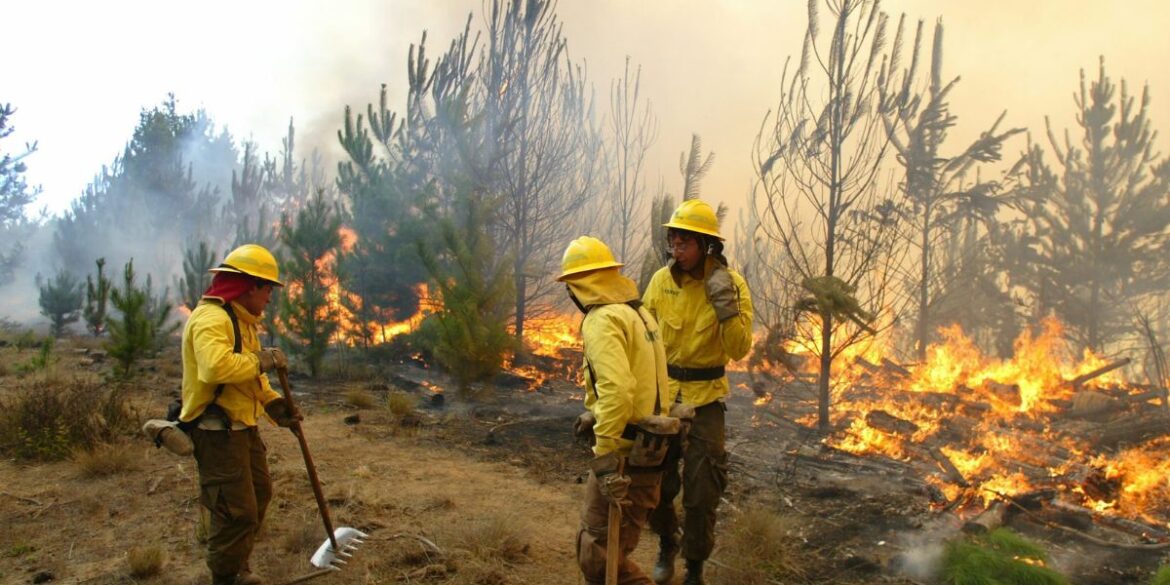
(1132, 430)
(953, 473)
(956, 429)
(1117, 523)
(1008, 393)
(884, 421)
(987, 520)
(1078, 381)
(895, 368)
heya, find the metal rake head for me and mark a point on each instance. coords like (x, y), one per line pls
(347, 539)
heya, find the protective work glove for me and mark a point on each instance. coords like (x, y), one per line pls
(721, 292)
(612, 482)
(271, 358)
(685, 413)
(583, 426)
(278, 410)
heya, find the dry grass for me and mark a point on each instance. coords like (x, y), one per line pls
(105, 459)
(492, 537)
(304, 538)
(145, 561)
(765, 549)
(361, 399)
(400, 403)
(47, 418)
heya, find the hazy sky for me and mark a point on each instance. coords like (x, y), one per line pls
(80, 72)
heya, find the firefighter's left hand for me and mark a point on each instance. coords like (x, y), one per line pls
(721, 293)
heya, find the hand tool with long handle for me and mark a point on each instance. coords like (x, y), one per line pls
(613, 550)
(343, 541)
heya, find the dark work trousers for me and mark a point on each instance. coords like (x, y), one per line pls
(235, 487)
(702, 482)
(592, 536)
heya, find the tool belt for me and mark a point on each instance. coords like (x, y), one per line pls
(652, 438)
(694, 374)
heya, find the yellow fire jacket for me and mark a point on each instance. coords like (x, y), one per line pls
(208, 361)
(625, 363)
(694, 338)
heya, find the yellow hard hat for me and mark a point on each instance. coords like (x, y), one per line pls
(586, 254)
(695, 215)
(253, 260)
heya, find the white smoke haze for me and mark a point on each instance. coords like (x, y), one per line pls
(79, 73)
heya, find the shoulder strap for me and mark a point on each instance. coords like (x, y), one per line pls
(636, 305)
(236, 346)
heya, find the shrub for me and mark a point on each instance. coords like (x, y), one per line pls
(400, 403)
(40, 361)
(145, 561)
(105, 459)
(360, 398)
(766, 550)
(46, 420)
(1162, 577)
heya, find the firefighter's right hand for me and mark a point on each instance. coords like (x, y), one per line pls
(583, 426)
(616, 489)
(271, 358)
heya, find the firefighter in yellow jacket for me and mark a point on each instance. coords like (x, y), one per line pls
(225, 394)
(625, 387)
(704, 310)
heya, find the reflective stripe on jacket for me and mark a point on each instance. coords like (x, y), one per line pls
(208, 361)
(625, 363)
(694, 338)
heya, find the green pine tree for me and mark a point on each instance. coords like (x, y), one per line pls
(470, 333)
(132, 333)
(311, 319)
(97, 296)
(60, 300)
(197, 261)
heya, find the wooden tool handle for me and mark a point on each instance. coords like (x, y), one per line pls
(322, 504)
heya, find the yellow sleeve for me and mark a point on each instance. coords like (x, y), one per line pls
(736, 332)
(218, 364)
(267, 393)
(606, 351)
(650, 297)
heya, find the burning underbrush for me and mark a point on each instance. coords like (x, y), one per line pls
(1045, 426)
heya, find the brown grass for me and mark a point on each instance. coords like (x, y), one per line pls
(762, 548)
(361, 399)
(105, 459)
(145, 561)
(400, 403)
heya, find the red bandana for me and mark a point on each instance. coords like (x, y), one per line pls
(229, 286)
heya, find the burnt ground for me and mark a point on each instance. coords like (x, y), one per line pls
(859, 519)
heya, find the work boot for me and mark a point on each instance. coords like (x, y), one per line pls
(694, 573)
(664, 568)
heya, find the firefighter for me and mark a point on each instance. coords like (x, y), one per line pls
(704, 310)
(225, 394)
(625, 387)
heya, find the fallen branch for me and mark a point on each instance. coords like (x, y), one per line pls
(22, 498)
(1088, 537)
(1078, 381)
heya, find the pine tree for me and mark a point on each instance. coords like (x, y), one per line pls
(1096, 236)
(132, 333)
(197, 261)
(311, 318)
(97, 296)
(15, 195)
(471, 335)
(60, 300)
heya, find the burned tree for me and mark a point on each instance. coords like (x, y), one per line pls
(536, 105)
(1094, 242)
(632, 130)
(943, 202)
(817, 159)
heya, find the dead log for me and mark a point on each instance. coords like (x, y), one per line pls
(1132, 430)
(894, 368)
(1080, 380)
(884, 421)
(956, 429)
(1125, 525)
(953, 474)
(987, 520)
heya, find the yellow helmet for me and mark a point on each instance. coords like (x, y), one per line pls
(695, 215)
(586, 254)
(252, 260)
